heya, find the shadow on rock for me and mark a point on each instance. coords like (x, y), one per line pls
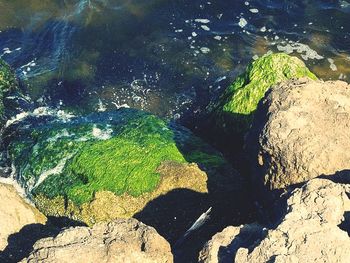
(247, 236)
(186, 207)
(21, 243)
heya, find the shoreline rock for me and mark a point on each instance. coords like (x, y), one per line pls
(118, 241)
(301, 131)
(309, 231)
(112, 165)
(15, 213)
(234, 111)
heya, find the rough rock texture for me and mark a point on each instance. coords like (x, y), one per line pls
(118, 241)
(234, 111)
(110, 165)
(309, 231)
(15, 213)
(301, 130)
(223, 245)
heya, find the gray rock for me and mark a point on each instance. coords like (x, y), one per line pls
(301, 130)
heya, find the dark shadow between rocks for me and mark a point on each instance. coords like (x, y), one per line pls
(273, 204)
(340, 177)
(186, 207)
(230, 139)
(20, 244)
(345, 225)
(247, 238)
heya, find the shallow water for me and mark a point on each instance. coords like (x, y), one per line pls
(167, 57)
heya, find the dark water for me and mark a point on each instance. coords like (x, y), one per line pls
(167, 57)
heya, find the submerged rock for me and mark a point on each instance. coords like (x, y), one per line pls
(8, 85)
(15, 213)
(117, 241)
(301, 131)
(110, 165)
(234, 111)
(309, 231)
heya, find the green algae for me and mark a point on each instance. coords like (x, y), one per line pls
(8, 83)
(117, 152)
(235, 109)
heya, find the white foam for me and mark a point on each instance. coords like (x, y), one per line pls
(17, 118)
(303, 49)
(101, 107)
(254, 10)
(204, 27)
(242, 22)
(41, 111)
(201, 20)
(205, 50)
(332, 65)
(102, 134)
(56, 170)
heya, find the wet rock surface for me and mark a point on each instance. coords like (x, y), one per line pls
(111, 165)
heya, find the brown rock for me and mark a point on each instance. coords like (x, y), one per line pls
(308, 232)
(15, 213)
(301, 130)
(118, 241)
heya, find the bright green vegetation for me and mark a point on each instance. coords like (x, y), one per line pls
(117, 152)
(8, 83)
(235, 109)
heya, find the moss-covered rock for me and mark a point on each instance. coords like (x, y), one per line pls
(108, 165)
(234, 111)
(8, 84)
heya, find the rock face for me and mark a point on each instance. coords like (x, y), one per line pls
(117, 241)
(15, 213)
(109, 165)
(301, 131)
(308, 232)
(234, 111)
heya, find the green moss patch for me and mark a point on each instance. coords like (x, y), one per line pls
(8, 83)
(235, 109)
(117, 152)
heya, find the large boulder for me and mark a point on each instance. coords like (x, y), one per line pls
(311, 230)
(111, 165)
(301, 131)
(233, 113)
(15, 213)
(117, 241)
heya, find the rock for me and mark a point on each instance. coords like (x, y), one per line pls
(301, 130)
(8, 87)
(110, 165)
(118, 241)
(224, 245)
(15, 213)
(309, 231)
(234, 111)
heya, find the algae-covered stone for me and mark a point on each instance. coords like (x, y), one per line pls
(107, 165)
(8, 84)
(234, 111)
